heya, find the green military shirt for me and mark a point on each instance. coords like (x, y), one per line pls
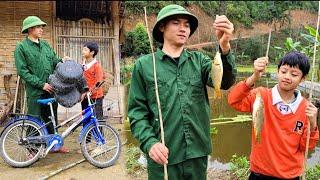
(34, 63)
(184, 102)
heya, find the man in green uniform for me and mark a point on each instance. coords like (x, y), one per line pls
(35, 60)
(182, 77)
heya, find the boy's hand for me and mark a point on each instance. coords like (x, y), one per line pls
(83, 96)
(224, 30)
(159, 153)
(259, 67)
(312, 113)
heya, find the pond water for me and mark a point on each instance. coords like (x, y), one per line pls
(233, 138)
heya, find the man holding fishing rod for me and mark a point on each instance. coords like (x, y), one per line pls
(181, 79)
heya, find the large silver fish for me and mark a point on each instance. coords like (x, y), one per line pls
(216, 75)
(258, 116)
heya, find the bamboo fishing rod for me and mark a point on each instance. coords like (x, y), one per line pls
(267, 55)
(310, 94)
(165, 171)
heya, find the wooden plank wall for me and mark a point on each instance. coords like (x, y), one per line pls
(71, 36)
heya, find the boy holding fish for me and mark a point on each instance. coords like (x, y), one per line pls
(280, 118)
(182, 77)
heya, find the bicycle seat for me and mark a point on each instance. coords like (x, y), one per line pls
(46, 101)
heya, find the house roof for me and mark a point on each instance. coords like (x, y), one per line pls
(98, 11)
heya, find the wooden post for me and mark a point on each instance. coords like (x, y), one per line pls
(16, 95)
(116, 51)
(64, 54)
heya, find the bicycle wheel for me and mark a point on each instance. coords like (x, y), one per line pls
(101, 155)
(20, 154)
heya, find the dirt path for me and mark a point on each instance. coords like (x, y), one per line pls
(55, 161)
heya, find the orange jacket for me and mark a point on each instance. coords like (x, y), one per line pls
(280, 153)
(93, 75)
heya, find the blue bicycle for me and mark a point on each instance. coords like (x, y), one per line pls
(25, 138)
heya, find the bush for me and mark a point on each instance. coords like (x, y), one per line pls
(313, 173)
(136, 42)
(240, 167)
(132, 164)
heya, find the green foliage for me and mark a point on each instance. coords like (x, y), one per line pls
(305, 46)
(136, 7)
(213, 130)
(126, 68)
(244, 12)
(240, 167)
(132, 165)
(313, 173)
(136, 42)
(239, 12)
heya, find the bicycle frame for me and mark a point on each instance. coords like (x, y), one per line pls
(88, 117)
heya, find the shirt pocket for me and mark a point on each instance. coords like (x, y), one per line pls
(32, 60)
(163, 90)
(49, 62)
(196, 90)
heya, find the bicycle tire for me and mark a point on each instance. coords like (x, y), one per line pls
(90, 158)
(4, 154)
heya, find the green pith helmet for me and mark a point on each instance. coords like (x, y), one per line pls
(31, 21)
(172, 10)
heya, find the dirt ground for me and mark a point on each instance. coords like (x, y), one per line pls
(55, 161)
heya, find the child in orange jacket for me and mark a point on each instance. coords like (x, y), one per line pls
(279, 153)
(93, 73)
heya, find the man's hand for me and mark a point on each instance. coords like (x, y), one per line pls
(159, 153)
(66, 58)
(224, 30)
(259, 67)
(47, 87)
(312, 113)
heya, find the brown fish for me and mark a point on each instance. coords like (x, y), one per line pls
(216, 75)
(258, 116)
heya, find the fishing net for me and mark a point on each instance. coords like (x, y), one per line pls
(70, 99)
(60, 87)
(68, 82)
(69, 71)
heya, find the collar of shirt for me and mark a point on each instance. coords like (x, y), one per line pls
(89, 65)
(183, 56)
(276, 99)
(32, 42)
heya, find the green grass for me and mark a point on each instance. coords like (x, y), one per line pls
(240, 168)
(271, 68)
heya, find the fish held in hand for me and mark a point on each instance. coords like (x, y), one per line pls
(258, 116)
(216, 75)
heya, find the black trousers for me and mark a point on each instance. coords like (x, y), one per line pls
(98, 107)
(46, 112)
(257, 176)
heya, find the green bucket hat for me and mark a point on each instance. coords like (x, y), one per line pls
(172, 10)
(31, 21)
